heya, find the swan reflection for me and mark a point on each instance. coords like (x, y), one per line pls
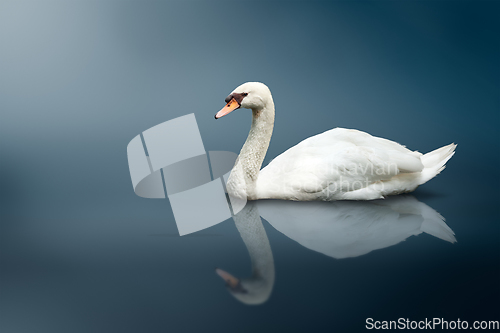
(257, 288)
(341, 229)
(346, 229)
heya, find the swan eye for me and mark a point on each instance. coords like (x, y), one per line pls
(238, 97)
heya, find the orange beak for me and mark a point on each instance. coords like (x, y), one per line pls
(231, 106)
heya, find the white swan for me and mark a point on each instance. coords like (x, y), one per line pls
(339, 164)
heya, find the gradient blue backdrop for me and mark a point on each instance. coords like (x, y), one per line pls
(79, 79)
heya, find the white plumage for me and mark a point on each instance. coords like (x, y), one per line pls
(339, 164)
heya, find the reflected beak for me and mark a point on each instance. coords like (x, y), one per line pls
(231, 281)
(231, 106)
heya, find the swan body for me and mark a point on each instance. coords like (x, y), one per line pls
(339, 164)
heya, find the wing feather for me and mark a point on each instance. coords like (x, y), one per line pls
(339, 160)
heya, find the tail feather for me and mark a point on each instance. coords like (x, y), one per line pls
(435, 162)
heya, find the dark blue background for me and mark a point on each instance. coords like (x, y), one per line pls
(80, 252)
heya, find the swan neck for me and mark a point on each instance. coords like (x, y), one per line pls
(255, 148)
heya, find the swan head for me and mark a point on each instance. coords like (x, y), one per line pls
(251, 291)
(250, 95)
